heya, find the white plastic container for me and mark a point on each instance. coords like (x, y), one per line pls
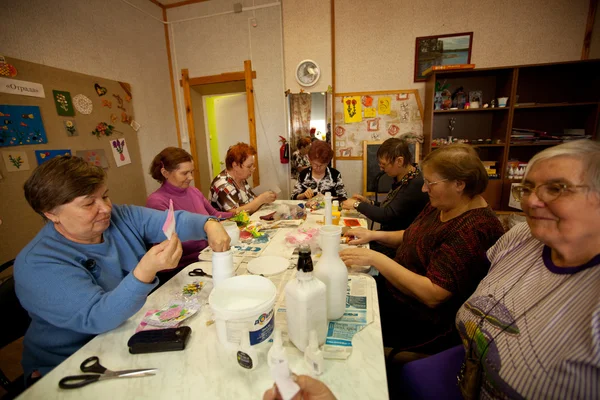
(239, 303)
(222, 267)
(332, 271)
(313, 356)
(277, 353)
(306, 306)
(233, 231)
(328, 206)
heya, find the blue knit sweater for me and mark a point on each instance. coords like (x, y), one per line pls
(75, 291)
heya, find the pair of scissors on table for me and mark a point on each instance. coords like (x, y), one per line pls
(198, 272)
(93, 365)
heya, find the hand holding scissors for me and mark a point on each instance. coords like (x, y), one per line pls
(198, 272)
(93, 365)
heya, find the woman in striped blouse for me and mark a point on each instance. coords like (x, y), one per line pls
(532, 328)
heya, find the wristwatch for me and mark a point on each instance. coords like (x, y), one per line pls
(356, 204)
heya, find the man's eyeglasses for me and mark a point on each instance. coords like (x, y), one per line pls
(546, 192)
(430, 184)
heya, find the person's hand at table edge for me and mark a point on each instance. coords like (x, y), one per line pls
(310, 389)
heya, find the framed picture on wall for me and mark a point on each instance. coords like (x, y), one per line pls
(449, 49)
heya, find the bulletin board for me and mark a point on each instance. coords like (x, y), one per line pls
(47, 112)
(374, 116)
(371, 167)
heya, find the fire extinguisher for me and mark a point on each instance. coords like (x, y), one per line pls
(284, 151)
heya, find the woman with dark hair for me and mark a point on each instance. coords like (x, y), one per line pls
(174, 169)
(319, 178)
(87, 270)
(405, 200)
(230, 189)
(300, 160)
(440, 257)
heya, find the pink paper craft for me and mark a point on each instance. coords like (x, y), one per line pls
(144, 326)
(169, 226)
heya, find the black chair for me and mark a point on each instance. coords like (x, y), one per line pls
(16, 328)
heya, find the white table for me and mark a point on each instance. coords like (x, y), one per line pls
(205, 370)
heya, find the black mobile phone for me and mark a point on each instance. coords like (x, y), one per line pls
(155, 341)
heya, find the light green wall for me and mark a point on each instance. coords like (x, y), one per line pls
(214, 138)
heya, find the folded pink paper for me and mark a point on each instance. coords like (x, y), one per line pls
(169, 225)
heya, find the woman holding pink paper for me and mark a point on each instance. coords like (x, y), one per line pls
(87, 270)
(173, 168)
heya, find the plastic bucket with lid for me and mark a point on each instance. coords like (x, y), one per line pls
(241, 305)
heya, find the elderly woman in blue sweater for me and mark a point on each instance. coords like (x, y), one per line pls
(87, 270)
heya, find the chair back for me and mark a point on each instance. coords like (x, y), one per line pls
(14, 314)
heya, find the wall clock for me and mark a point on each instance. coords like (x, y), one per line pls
(307, 73)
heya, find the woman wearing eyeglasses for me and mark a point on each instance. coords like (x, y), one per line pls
(440, 257)
(319, 178)
(532, 328)
(230, 191)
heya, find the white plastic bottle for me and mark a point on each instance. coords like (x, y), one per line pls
(276, 354)
(313, 356)
(328, 219)
(306, 303)
(332, 271)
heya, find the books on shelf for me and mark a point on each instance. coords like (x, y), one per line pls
(522, 135)
(447, 68)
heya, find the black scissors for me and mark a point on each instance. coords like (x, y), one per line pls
(198, 272)
(92, 364)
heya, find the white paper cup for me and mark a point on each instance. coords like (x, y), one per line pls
(502, 101)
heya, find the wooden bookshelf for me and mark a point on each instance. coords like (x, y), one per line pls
(551, 98)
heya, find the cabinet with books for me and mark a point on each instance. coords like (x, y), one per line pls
(547, 105)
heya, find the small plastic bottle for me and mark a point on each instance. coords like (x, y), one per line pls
(277, 353)
(306, 303)
(313, 356)
(247, 357)
(328, 207)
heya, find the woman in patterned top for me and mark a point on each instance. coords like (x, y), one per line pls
(532, 327)
(230, 191)
(440, 257)
(300, 160)
(405, 199)
(319, 178)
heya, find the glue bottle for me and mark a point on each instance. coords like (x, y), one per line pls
(332, 271)
(277, 353)
(247, 357)
(328, 208)
(306, 303)
(313, 356)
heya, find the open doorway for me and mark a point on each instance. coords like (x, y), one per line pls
(228, 97)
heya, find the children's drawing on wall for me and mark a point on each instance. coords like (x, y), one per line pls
(370, 112)
(63, 103)
(15, 161)
(384, 105)
(95, 157)
(367, 101)
(100, 91)
(373, 124)
(83, 104)
(70, 128)
(393, 129)
(120, 152)
(20, 125)
(389, 114)
(44, 155)
(352, 109)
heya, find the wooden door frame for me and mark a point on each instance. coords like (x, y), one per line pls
(247, 75)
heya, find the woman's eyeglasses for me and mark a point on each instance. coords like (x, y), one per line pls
(430, 184)
(546, 192)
